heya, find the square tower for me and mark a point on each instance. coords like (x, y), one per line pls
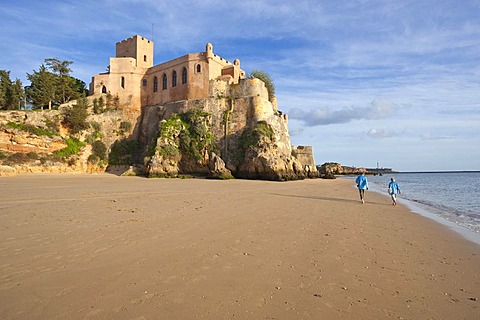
(137, 47)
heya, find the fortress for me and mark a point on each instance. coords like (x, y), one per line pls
(138, 83)
(149, 94)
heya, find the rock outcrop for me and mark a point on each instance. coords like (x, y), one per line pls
(250, 134)
(236, 131)
(330, 169)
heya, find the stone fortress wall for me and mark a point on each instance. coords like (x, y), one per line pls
(196, 80)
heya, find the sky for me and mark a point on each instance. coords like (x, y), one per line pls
(365, 82)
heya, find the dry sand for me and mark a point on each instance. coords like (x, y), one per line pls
(108, 247)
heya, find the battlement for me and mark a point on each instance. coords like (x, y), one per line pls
(136, 47)
(303, 149)
(134, 38)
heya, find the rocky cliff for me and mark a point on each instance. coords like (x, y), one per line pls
(236, 131)
(250, 135)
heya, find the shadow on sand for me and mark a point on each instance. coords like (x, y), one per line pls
(329, 199)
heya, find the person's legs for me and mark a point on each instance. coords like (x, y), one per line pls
(394, 198)
(362, 194)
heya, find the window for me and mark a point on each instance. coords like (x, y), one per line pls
(145, 58)
(164, 82)
(174, 78)
(199, 68)
(144, 82)
(155, 84)
(184, 75)
(122, 82)
(104, 89)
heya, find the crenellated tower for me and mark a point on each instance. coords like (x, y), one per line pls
(137, 47)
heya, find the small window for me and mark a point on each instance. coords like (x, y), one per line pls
(155, 84)
(145, 58)
(184, 75)
(104, 89)
(122, 82)
(144, 82)
(199, 68)
(164, 82)
(174, 78)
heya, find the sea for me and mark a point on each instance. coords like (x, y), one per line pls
(450, 198)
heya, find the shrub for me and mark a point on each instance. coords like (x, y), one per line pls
(98, 105)
(52, 126)
(32, 155)
(252, 138)
(122, 152)
(168, 151)
(93, 159)
(196, 139)
(73, 147)
(76, 116)
(15, 158)
(125, 126)
(99, 149)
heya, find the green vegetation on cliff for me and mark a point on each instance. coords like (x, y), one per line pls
(76, 116)
(123, 152)
(31, 129)
(187, 134)
(73, 147)
(196, 140)
(257, 137)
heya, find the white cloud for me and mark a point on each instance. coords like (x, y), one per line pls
(381, 133)
(378, 109)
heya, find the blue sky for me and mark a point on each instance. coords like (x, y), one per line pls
(365, 81)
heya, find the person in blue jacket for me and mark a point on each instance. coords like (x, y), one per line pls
(362, 185)
(393, 190)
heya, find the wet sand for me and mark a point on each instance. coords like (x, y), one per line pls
(108, 247)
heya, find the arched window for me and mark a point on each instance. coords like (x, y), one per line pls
(164, 82)
(104, 89)
(174, 78)
(122, 82)
(199, 68)
(184, 75)
(155, 84)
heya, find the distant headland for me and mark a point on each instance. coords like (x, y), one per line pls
(333, 168)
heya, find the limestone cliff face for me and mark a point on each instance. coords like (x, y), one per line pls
(29, 139)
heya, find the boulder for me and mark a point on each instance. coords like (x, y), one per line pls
(217, 168)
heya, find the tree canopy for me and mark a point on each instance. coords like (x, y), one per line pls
(11, 92)
(53, 85)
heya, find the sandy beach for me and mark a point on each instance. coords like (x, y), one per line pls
(108, 247)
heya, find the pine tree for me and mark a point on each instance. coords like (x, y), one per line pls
(43, 87)
(11, 93)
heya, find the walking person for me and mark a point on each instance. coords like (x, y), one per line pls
(362, 185)
(393, 190)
